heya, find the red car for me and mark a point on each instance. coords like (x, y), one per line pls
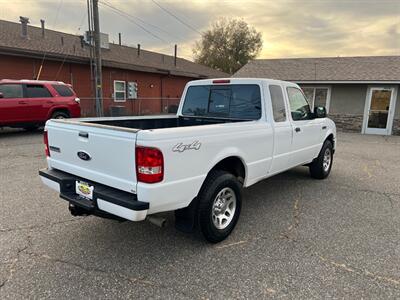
(30, 103)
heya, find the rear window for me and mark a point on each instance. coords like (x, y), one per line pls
(238, 101)
(11, 90)
(37, 91)
(63, 90)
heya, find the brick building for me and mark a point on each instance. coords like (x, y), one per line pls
(65, 57)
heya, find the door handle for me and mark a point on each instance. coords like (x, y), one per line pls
(297, 129)
(22, 102)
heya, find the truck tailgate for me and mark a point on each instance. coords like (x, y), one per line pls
(97, 153)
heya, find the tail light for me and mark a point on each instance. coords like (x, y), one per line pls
(219, 81)
(149, 165)
(46, 143)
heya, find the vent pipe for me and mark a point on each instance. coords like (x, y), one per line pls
(175, 54)
(138, 49)
(42, 22)
(24, 26)
(119, 39)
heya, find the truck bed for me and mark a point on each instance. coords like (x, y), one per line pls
(150, 122)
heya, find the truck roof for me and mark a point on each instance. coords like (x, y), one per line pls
(239, 81)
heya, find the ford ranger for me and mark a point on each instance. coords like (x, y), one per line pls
(227, 135)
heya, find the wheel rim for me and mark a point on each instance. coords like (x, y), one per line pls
(224, 207)
(327, 159)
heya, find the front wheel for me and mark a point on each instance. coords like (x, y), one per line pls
(59, 115)
(322, 165)
(219, 205)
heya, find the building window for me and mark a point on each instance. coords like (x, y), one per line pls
(119, 91)
(317, 96)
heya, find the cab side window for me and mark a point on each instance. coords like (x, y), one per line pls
(278, 103)
(11, 90)
(299, 107)
(37, 91)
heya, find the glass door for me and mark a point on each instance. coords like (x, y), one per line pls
(379, 117)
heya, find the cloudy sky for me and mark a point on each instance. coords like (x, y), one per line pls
(290, 28)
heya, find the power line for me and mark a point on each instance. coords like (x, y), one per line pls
(67, 54)
(176, 17)
(141, 20)
(129, 18)
(45, 53)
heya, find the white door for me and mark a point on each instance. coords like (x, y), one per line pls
(378, 116)
(307, 130)
(282, 131)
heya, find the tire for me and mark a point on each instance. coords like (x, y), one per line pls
(322, 165)
(59, 115)
(219, 199)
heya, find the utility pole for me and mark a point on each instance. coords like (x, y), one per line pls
(97, 54)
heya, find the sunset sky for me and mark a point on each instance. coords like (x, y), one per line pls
(304, 28)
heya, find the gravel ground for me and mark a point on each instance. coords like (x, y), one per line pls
(296, 238)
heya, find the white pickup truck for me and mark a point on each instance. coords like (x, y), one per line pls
(227, 134)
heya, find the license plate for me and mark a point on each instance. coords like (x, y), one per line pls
(84, 189)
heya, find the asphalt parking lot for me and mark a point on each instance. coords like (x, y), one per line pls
(296, 238)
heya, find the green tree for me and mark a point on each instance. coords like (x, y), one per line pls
(228, 45)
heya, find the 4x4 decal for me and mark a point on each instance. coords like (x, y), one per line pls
(181, 147)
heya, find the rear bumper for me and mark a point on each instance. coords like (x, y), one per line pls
(105, 199)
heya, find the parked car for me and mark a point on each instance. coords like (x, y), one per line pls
(30, 103)
(228, 134)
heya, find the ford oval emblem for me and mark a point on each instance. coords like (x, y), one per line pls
(84, 155)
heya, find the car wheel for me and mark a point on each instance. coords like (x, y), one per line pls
(322, 165)
(219, 205)
(59, 115)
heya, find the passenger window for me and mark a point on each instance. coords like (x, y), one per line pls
(11, 90)
(219, 102)
(299, 107)
(278, 103)
(63, 90)
(37, 91)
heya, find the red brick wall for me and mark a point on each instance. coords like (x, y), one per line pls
(155, 91)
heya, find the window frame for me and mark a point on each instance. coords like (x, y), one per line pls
(114, 91)
(290, 108)
(314, 87)
(262, 105)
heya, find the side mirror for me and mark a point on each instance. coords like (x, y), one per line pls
(1, 95)
(320, 112)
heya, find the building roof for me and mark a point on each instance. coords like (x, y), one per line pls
(329, 69)
(63, 46)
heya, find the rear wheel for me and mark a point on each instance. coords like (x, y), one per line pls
(219, 205)
(322, 165)
(59, 115)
